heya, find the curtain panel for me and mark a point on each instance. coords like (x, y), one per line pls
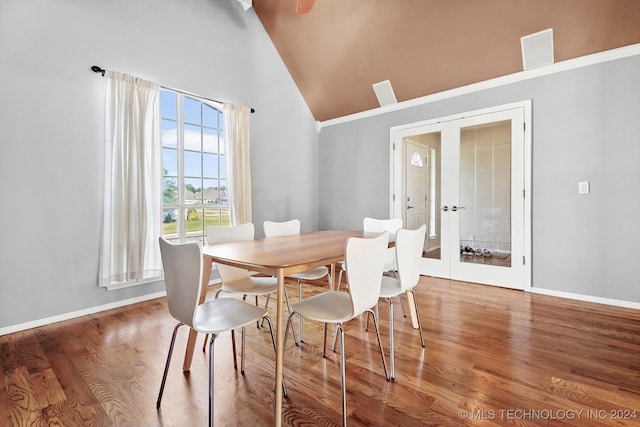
(133, 182)
(236, 125)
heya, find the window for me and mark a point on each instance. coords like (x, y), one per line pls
(416, 160)
(194, 174)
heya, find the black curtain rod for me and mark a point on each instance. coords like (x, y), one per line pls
(97, 69)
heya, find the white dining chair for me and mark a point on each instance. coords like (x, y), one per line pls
(375, 225)
(182, 264)
(365, 260)
(408, 248)
(237, 280)
(286, 228)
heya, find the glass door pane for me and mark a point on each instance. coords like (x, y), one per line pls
(486, 198)
(485, 194)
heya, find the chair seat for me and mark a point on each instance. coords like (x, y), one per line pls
(223, 314)
(390, 287)
(313, 274)
(327, 307)
(252, 285)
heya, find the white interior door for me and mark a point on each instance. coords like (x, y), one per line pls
(485, 198)
(474, 180)
(424, 181)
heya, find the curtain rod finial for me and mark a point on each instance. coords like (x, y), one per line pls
(97, 69)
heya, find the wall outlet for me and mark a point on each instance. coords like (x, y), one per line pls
(583, 187)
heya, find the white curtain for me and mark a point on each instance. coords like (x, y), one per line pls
(133, 182)
(236, 125)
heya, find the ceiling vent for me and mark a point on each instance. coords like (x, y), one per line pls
(384, 93)
(537, 49)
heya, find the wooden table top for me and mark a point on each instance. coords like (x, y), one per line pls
(297, 252)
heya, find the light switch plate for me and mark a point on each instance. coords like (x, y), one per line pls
(583, 187)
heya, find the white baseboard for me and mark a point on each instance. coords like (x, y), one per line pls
(92, 310)
(586, 298)
(79, 313)
(84, 312)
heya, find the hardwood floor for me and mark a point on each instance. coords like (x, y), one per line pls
(493, 357)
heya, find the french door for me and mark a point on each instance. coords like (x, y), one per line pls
(466, 179)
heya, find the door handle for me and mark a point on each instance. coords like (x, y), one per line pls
(410, 207)
(455, 208)
(445, 208)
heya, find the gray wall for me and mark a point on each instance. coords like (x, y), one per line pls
(51, 130)
(586, 127)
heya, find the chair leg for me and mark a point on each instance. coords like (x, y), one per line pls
(324, 341)
(404, 313)
(415, 305)
(166, 366)
(266, 303)
(257, 321)
(366, 319)
(284, 340)
(384, 361)
(300, 333)
(392, 369)
(335, 341)
(242, 349)
(204, 343)
(266, 306)
(233, 345)
(339, 279)
(213, 338)
(206, 336)
(343, 375)
(273, 341)
(286, 329)
(293, 331)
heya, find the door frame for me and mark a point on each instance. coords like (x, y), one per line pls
(395, 172)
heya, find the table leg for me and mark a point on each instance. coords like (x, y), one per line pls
(193, 335)
(332, 272)
(279, 347)
(412, 310)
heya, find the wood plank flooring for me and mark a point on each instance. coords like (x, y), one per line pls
(493, 357)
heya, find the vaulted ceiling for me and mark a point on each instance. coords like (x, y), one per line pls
(340, 48)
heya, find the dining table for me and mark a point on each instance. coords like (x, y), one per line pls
(279, 257)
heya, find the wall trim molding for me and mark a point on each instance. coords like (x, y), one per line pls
(79, 313)
(117, 304)
(585, 298)
(85, 312)
(570, 64)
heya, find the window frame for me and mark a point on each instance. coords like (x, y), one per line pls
(183, 206)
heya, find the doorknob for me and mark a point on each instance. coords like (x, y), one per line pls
(455, 208)
(445, 208)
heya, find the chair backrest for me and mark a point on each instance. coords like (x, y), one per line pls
(379, 225)
(182, 264)
(409, 247)
(235, 233)
(364, 262)
(286, 228)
